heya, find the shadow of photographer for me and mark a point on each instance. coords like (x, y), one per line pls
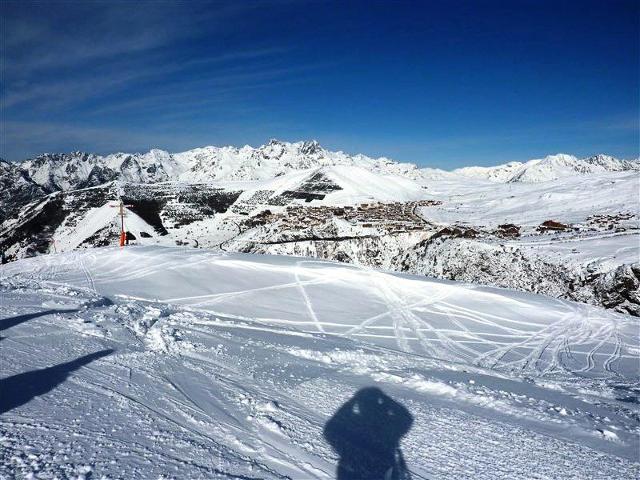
(366, 433)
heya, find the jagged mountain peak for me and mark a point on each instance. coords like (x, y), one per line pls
(311, 147)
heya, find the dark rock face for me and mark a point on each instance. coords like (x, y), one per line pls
(209, 200)
(98, 176)
(102, 238)
(149, 210)
(288, 195)
(315, 187)
(620, 289)
(485, 264)
(480, 263)
(178, 204)
(310, 147)
(39, 222)
(16, 190)
(455, 232)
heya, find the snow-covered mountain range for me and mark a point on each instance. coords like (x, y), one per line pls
(69, 171)
(207, 164)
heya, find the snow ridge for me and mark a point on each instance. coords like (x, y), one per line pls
(549, 168)
(69, 171)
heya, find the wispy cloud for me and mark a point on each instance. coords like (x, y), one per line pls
(228, 99)
(39, 36)
(60, 54)
(229, 68)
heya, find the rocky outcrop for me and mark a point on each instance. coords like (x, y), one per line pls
(16, 189)
(620, 289)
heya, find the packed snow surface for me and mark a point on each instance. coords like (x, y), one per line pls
(152, 362)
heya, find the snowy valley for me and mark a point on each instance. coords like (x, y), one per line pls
(558, 226)
(271, 298)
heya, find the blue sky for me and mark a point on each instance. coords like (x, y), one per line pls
(442, 83)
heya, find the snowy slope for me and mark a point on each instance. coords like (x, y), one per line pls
(425, 307)
(575, 201)
(347, 185)
(67, 237)
(300, 199)
(149, 362)
(568, 200)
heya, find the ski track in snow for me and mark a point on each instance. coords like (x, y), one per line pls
(411, 321)
(211, 378)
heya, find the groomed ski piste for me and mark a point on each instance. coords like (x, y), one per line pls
(156, 362)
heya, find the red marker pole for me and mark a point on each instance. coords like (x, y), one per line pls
(123, 235)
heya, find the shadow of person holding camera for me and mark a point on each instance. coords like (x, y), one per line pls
(366, 433)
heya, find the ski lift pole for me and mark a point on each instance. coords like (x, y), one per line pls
(123, 235)
(122, 213)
